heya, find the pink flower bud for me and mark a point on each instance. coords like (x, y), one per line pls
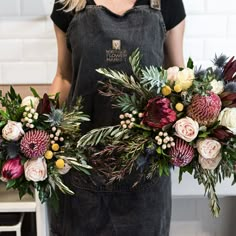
(12, 169)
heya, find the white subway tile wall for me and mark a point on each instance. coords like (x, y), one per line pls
(28, 56)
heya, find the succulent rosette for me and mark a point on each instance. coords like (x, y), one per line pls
(158, 113)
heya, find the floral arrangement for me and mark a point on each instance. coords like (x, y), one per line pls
(180, 117)
(37, 143)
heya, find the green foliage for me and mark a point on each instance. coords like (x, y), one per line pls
(134, 61)
(153, 79)
(190, 63)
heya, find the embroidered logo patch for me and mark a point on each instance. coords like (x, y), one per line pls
(116, 53)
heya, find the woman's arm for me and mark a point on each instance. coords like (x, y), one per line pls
(173, 47)
(61, 82)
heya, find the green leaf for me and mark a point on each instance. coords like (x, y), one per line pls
(34, 92)
(10, 183)
(190, 63)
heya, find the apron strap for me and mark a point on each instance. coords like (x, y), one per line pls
(155, 4)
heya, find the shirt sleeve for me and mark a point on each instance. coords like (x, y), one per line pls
(61, 18)
(173, 12)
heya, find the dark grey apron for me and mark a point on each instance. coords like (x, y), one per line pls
(99, 38)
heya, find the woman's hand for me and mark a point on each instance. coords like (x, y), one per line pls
(62, 80)
(174, 46)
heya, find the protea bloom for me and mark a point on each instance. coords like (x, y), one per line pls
(204, 109)
(230, 70)
(35, 143)
(12, 169)
(158, 113)
(222, 133)
(182, 153)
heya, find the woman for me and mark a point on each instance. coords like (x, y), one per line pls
(103, 33)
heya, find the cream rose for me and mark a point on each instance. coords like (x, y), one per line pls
(187, 129)
(12, 131)
(30, 101)
(217, 86)
(209, 153)
(35, 169)
(227, 118)
(185, 78)
(172, 74)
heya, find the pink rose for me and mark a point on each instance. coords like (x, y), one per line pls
(36, 169)
(158, 113)
(186, 128)
(172, 73)
(12, 131)
(209, 153)
(12, 169)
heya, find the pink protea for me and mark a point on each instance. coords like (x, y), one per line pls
(35, 143)
(204, 109)
(158, 113)
(182, 153)
(12, 169)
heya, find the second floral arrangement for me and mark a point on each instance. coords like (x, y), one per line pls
(176, 117)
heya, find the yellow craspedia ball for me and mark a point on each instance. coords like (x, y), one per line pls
(177, 88)
(179, 106)
(55, 147)
(166, 90)
(60, 163)
(48, 154)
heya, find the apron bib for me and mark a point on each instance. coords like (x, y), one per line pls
(98, 38)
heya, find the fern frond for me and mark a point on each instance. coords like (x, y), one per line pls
(153, 79)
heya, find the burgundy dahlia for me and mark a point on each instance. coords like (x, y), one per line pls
(34, 143)
(230, 70)
(182, 153)
(12, 169)
(158, 113)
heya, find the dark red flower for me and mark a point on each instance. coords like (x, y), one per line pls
(230, 70)
(228, 99)
(44, 106)
(12, 168)
(222, 133)
(158, 113)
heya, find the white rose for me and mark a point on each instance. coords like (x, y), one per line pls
(227, 118)
(209, 164)
(186, 128)
(217, 86)
(30, 101)
(209, 150)
(35, 169)
(172, 74)
(65, 169)
(12, 131)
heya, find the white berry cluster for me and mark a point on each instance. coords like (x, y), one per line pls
(55, 136)
(164, 140)
(29, 117)
(128, 119)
